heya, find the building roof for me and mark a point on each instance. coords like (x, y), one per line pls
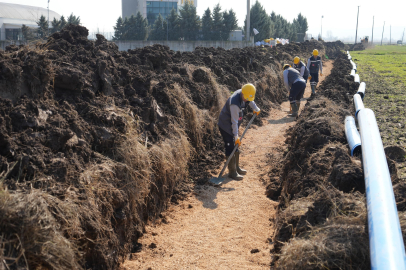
(22, 12)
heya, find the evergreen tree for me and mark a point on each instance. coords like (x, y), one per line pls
(63, 22)
(56, 26)
(301, 24)
(259, 20)
(118, 29)
(126, 28)
(207, 25)
(28, 33)
(158, 31)
(141, 27)
(230, 23)
(218, 23)
(131, 28)
(173, 25)
(42, 27)
(72, 19)
(189, 21)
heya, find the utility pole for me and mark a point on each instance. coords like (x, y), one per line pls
(321, 32)
(403, 34)
(167, 28)
(48, 17)
(356, 31)
(390, 35)
(247, 31)
(373, 21)
(383, 30)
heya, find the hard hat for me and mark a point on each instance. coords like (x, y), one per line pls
(315, 52)
(248, 91)
(296, 60)
(285, 66)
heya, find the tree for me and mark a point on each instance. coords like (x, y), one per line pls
(28, 33)
(281, 28)
(259, 20)
(218, 23)
(42, 27)
(158, 31)
(72, 19)
(141, 27)
(63, 22)
(56, 26)
(207, 25)
(173, 25)
(118, 29)
(301, 24)
(230, 23)
(189, 21)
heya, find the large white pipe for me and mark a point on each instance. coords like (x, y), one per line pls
(385, 237)
(351, 132)
(361, 90)
(358, 104)
(356, 78)
(352, 72)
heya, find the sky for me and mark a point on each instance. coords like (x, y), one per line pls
(340, 17)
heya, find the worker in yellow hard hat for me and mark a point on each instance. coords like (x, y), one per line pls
(296, 85)
(314, 64)
(230, 119)
(303, 70)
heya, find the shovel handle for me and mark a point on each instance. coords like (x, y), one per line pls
(236, 147)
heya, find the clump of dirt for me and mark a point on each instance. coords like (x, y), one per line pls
(357, 47)
(95, 141)
(321, 220)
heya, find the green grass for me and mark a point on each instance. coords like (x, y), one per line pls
(388, 61)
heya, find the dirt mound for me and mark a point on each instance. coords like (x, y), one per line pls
(322, 216)
(357, 47)
(95, 141)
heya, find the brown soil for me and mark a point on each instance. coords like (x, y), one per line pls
(226, 227)
(95, 142)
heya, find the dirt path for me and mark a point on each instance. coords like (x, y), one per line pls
(226, 227)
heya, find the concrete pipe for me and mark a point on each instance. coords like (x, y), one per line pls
(385, 237)
(353, 138)
(361, 90)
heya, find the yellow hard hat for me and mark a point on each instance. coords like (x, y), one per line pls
(315, 52)
(296, 60)
(285, 66)
(248, 91)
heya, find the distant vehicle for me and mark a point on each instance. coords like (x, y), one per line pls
(399, 42)
(365, 39)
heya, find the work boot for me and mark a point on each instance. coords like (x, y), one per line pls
(294, 110)
(298, 105)
(237, 162)
(232, 170)
(313, 89)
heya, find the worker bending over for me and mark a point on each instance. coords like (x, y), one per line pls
(314, 64)
(296, 86)
(301, 67)
(230, 119)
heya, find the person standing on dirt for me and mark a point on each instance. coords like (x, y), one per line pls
(230, 119)
(296, 86)
(314, 64)
(303, 70)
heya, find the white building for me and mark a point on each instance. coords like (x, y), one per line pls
(13, 16)
(150, 9)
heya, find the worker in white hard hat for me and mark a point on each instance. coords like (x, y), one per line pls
(295, 84)
(230, 119)
(314, 64)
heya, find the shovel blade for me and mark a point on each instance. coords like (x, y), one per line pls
(217, 181)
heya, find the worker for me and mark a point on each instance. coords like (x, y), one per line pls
(230, 119)
(314, 64)
(303, 70)
(295, 84)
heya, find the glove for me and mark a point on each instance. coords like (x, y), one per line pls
(257, 112)
(321, 74)
(237, 141)
(310, 77)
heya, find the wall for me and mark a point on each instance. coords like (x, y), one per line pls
(183, 46)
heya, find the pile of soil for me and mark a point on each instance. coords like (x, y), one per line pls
(95, 141)
(357, 47)
(322, 217)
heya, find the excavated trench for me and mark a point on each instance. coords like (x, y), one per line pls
(95, 142)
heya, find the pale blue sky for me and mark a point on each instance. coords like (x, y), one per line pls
(340, 17)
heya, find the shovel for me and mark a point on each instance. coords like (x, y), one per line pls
(217, 181)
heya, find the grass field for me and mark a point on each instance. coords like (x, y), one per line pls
(383, 69)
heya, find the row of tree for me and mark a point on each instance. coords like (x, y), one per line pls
(43, 30)
(186, 25)
(275, 25)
